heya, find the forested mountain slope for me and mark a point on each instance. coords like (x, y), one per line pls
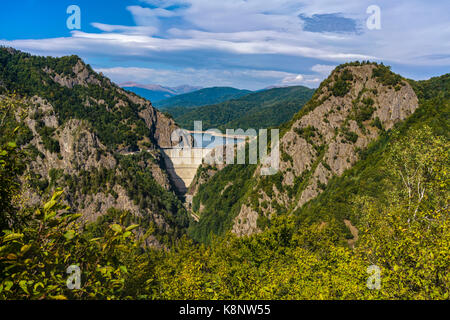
(87, 135)
(256, 110)
(201, 97)
(358, 105)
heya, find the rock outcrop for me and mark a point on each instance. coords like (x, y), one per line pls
(348, 111)
(71, 117)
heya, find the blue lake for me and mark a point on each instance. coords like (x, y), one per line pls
(209, 141)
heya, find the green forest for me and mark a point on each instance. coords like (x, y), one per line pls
(268, 108)
(201, 97)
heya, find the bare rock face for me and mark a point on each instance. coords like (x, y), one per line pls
(95, 205)
(326, 141)
(246, 222)
(82, 76)
(80, 150)
(161, 125)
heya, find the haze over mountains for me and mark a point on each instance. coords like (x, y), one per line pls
(154, 92)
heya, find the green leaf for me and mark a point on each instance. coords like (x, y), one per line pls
(49, 215)
(25, 248)
(23, 285)
(37, 285)
(50, 204)
(13, 236)
(115, 227)
(74, 217)
(127, 234)
(69, 235)
(132, 227)
(12, 145)
(8, 285)
(123, 269)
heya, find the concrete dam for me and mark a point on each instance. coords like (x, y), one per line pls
(182, 165)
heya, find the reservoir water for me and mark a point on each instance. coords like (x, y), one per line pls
(210, 141)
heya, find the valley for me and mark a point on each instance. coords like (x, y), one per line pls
(91, 174)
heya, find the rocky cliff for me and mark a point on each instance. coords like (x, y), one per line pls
(348, 111)
(94, 139)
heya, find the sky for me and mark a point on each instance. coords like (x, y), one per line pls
(247, 44)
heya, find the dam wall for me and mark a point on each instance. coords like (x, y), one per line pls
(182, 164)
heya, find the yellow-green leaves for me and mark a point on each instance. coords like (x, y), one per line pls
(132, 227)
(12, 237)
(69, 235)
(23, 285)
(25, 248)
(12, 145)
(116, 228)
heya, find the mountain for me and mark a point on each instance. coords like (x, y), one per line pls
(98, 142)
(156, 93)
(349, 112)
(256, 110)
(201, 97)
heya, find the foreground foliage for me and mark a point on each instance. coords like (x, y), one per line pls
(408, 239)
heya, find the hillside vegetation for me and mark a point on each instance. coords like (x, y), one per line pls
(316, 179)
(84, 134)
(201, 97)
(256, 110)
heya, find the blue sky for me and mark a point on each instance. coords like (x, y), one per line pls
(247, 44)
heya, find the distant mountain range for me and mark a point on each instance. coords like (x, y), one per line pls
(202, 97)
(154, 92)
(253, 110)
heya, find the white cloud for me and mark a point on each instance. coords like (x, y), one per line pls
(291, 80)
(252, 79)
(413, 33)
(249, 43)
(147, 30)
(323, 69)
